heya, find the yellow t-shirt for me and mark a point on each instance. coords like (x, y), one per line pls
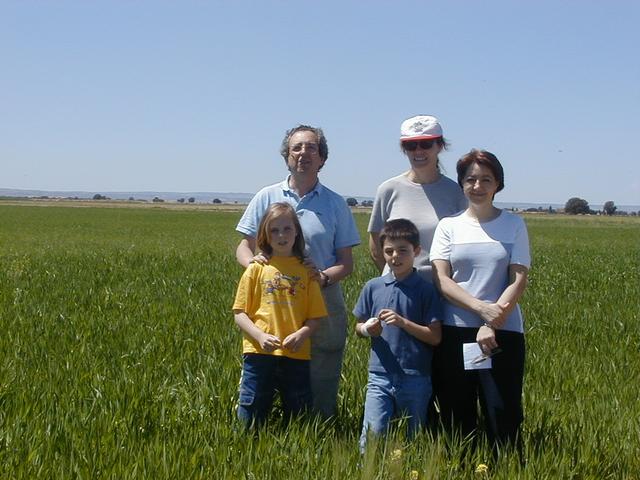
(279, 297)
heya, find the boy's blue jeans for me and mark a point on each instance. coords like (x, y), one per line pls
(262, 375)
(392, 396)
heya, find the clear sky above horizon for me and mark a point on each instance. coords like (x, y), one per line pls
(196, 96)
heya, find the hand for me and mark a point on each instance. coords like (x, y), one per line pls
(494, 314)
(392, 318)
(261, 258)
(294, 341)
(373, 327)
(486, 338)
(314, 273)
(269, 342)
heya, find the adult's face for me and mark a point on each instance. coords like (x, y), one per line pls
(479, 184)
(304, 154)
(424, 158)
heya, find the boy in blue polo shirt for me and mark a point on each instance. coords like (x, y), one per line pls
(400, 311)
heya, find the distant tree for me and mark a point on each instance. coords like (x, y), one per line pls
(551, 210)
(181, 200)
(192, 199)
(157, 200)
(352, 202)
(97, 196)
(367, 203)
(609, 208)
(576, 206)
(131, 199)
(217, 200)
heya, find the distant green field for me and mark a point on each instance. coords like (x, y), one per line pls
(119, 357)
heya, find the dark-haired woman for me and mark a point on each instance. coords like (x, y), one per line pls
(480, 261)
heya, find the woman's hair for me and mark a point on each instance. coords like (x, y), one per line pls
(443, 142)
(323, 147)
(483, 158)
(273, 211)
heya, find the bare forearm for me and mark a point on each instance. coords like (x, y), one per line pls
(375, 251)
(342, 268)
(245, 251)
(247, 326)
(517, 285)
(430, 334)
(458, 296)
(311, 325)
(337, 272)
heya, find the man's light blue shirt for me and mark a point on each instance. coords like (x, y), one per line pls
(326, 220)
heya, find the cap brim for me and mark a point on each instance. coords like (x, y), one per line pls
(419, 137)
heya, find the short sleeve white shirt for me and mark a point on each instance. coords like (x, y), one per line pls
(480, 254)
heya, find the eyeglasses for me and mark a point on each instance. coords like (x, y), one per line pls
(411, 145)
(309, 147)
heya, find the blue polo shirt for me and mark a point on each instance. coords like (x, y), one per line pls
(396, 351)
(326, 220)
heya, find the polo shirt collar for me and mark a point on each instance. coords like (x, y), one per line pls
(411, 280)
(317, 189)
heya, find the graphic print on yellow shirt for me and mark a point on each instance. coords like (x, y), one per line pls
(279, 297)
(283, 283)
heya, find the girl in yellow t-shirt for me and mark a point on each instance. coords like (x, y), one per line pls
(277, 307)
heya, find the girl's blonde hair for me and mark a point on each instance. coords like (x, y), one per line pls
(273, 211)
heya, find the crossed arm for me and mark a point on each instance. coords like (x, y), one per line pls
(493, 315)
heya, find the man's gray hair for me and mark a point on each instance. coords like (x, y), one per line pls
(323, 148)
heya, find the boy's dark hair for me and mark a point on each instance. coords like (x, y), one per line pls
(400, 229)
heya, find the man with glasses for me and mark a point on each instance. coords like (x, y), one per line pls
(330, 234)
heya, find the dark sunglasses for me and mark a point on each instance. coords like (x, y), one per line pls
(411, 145)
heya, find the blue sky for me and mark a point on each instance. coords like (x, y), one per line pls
(196, 96)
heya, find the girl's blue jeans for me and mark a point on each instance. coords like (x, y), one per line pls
(262, 376)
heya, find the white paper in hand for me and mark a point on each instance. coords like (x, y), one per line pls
(473, 357)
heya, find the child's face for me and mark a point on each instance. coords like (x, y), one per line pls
(399, 255)
(282, 235)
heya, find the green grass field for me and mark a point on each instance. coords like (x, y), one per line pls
(119, 357)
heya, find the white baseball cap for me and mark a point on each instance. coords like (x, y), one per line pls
(420, 127)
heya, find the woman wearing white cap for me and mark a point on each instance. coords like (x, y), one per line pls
(422, 194)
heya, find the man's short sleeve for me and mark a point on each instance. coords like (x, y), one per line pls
(250, 220)
(346, 232)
